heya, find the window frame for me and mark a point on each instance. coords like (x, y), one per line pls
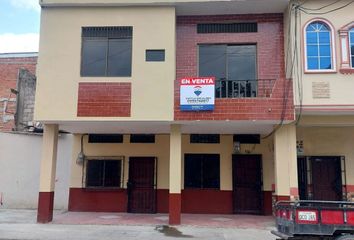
(226, 68)
(107, 39)
(332, 45)
(121, 177)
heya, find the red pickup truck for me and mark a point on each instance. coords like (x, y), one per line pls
(314, 220)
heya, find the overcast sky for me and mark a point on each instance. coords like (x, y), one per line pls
(19, 25)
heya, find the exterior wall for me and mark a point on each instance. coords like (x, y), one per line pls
(19, 178)
(9, 73)
(340, 95)
(192, 202)
(331, 141)
(58, 81)
(26, 87)
(270, 64)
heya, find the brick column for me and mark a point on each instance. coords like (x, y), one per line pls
(286, 183)
(175, 175)
(47, 173)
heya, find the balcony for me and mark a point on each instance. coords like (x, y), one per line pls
(256, 88)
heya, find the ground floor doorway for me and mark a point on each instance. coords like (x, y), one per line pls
(320, 178)
(141, 185)
(247, 184)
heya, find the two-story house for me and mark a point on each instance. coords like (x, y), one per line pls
(187, 106)
(320, 45)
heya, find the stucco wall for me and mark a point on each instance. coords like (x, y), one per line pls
(58, 72)
(20, 157)
(330, 141)
(340, 85)
(161, 150)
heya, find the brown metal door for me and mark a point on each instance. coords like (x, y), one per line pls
(141, 185)
(247, 184)
(326, 178)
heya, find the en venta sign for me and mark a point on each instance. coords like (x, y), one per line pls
(197, 94)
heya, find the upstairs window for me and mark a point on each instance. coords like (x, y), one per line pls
(106, 51)
(319, 47)
(351, 44)
(233, 66)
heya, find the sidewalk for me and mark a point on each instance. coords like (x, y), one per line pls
(21, 224)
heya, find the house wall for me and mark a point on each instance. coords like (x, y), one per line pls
(337, 91)
(59, 64)
(20, 166)
(95, 200)
(9, 74)
(270, 66)
(331, 141)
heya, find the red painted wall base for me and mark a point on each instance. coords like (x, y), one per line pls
(85, 200)
(190, 201)
(174, 208)
(267, 203)
(45, 207)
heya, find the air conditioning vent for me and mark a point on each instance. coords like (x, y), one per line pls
(227, 27)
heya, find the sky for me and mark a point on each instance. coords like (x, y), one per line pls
(19, 25)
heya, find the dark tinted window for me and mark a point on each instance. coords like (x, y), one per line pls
(142, 138)
(105, 138)
(106, 51)
(241, 62)
(103, 173)
(212, 61)
(119, 57)
(233, 66)
(204, 138)
(155, 55)
(202, 171)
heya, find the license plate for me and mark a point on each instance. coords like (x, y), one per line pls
(307, 216)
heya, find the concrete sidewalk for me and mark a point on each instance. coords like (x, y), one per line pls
(20, 224)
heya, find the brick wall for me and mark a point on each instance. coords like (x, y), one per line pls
(104, 100)
(9, 71)
(270, 62)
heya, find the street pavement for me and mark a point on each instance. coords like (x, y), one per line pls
(21, 225)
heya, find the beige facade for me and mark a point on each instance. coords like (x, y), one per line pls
(59, 61)
(322, 90)
(160, 150)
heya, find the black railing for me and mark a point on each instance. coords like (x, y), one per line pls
(256, 88)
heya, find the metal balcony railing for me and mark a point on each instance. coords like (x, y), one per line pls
(256, 88)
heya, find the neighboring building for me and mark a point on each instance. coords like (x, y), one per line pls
(148, 136)
(17, 89)
(324, 81)
(21, 139)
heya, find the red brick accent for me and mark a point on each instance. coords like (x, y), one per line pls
(207, 201)
(82, 200)
(174, 208)
(104, 100)
(9, 68)
(45, 207)
(270, 55)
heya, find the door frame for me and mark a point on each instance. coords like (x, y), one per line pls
(309, 175)
(154, 186)
(261, 197)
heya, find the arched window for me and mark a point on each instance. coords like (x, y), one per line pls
(319, 47)
(351, 46)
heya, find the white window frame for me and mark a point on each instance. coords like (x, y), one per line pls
(332, 43)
